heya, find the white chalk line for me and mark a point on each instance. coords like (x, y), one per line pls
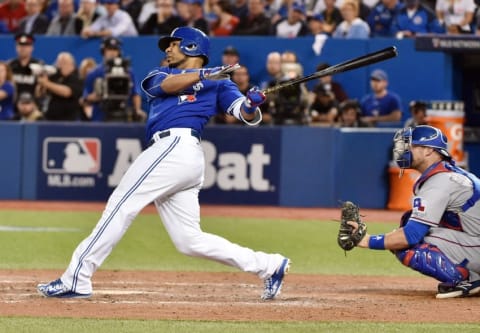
(10, 228)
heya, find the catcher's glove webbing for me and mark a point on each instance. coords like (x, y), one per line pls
(347, 239)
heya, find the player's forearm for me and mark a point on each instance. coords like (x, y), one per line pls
(178, 82)
(394, 240)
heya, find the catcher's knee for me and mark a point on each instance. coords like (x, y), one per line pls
(429, 260)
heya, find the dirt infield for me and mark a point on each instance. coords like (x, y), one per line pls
(235, 296)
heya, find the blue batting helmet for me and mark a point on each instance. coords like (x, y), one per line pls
(422, 135)
(193, 42)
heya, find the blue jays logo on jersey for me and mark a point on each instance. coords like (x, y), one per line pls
(187, 98)
(419, 206)
(71, 155)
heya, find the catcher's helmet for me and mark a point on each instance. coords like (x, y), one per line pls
(193, 42)
(422, 135)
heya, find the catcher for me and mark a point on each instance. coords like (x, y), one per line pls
(440, 235)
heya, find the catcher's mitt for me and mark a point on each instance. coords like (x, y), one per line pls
(347, 239)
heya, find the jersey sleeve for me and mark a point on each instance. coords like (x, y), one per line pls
(230, 100)
(150, 85)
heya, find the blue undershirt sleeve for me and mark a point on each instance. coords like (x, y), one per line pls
(415, 231)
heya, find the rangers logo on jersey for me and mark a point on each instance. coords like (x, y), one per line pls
(419, 206)
(71, 155)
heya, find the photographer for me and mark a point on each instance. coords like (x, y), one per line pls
(60, 89)
(110, 88)
(23, 78)
(289, 106)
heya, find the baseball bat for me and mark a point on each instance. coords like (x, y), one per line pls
(365, 60)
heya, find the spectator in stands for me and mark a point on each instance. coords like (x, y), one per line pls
(133, 8)
(271, 8)
(332, 17)
(416, 18)
(196, 17)
(163, 21)
(65, 23)
(256, 22)
(335, 87)
(116, 22)
(226, 22)
(273, 66)
(240, 8)
(150, 7)
(418, 112)
(230, 56)
(11, 13)
(316, 25)
(456, 15)
(23, 76)
(34, 22)
(87, 12)
(27, 109)
(124, 108)
(381, 105)
(289, 57)
(349, 114)
(62, 90)
(7, 92)
(352, 26)
(294, 24)
(50, 8)
(382, 18)
(324, 108)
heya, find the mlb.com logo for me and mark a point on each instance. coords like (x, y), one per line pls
(71, 155)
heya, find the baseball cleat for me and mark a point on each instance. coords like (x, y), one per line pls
(59, 290)
(462, 289)
(273, 284)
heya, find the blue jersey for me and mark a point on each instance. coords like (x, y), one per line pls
(7, 104)
(382, 20)
(191, 108)
(89, 87)
(422, 21)
(373, 106)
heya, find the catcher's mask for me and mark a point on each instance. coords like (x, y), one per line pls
(422, 135)
(193, 42)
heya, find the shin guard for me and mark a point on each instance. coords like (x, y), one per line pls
(429, 260)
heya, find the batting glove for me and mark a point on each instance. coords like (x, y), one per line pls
(217, 73)
(255, 97)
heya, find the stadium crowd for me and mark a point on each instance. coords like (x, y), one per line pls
(67, 91)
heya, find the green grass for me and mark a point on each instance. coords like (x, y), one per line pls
(310, 244)
(54, 325)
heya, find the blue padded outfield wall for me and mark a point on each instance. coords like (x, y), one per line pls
(285, 166)
(413, 74)
(288, 166)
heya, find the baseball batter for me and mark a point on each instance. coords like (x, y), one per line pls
(440, 236)
(182, 98)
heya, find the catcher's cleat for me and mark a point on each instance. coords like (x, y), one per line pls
(462, 289)
(273, 284)
(59, 290)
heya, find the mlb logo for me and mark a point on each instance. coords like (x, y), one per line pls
(71, 155)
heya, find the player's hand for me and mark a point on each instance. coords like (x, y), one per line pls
(255, 97)
(217, 73)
